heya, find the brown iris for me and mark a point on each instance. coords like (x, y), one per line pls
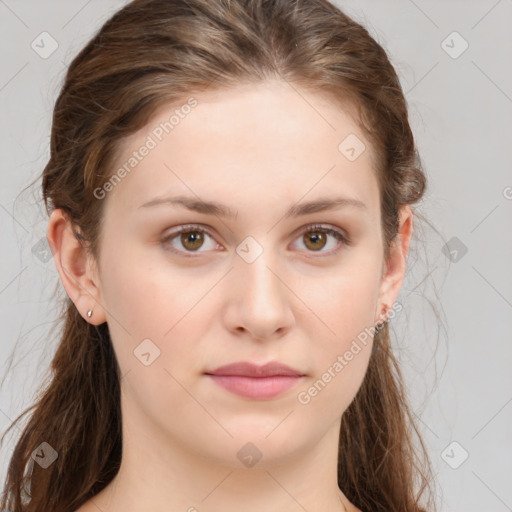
(192, 240)
(315, 237)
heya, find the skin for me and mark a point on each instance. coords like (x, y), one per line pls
(258, 149)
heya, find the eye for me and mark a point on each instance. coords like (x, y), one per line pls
(192, 238)
(316, 238)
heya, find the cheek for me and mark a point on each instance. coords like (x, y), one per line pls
(342, 328)
(149, 317)
(140, 292)
(340, 357)
(343, 303)
(147, 299)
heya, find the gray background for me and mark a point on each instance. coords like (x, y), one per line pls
(457, 368)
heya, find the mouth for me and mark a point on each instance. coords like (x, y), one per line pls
(256, 382)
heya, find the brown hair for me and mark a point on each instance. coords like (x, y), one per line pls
(156, 52)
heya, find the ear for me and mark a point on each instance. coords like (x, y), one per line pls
(76, 267)
(396, 266)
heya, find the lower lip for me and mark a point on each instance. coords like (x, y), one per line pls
(257, 388)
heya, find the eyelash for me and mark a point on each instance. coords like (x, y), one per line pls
(193, 228)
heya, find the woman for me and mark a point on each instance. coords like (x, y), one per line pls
(230, 193)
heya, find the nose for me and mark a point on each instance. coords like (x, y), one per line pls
(259, 300)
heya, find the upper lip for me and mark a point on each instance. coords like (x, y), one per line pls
(247, 369)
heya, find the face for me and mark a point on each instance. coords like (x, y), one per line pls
(261, 278)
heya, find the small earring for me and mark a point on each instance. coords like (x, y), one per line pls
(380, 325)
(89, 313)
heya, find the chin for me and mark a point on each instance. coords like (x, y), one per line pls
(257, 447)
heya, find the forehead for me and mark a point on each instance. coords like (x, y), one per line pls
(247, 145)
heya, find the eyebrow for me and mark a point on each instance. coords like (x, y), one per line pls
(220, 210)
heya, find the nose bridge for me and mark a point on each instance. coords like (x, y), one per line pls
(254, 269)
(261, 298)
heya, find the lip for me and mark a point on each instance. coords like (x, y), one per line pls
(257, 382)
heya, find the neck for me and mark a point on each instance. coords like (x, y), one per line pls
(159, 473)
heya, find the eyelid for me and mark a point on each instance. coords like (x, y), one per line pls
(334, 231)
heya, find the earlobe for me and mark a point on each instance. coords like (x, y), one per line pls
(75, 268)
(396, 265)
